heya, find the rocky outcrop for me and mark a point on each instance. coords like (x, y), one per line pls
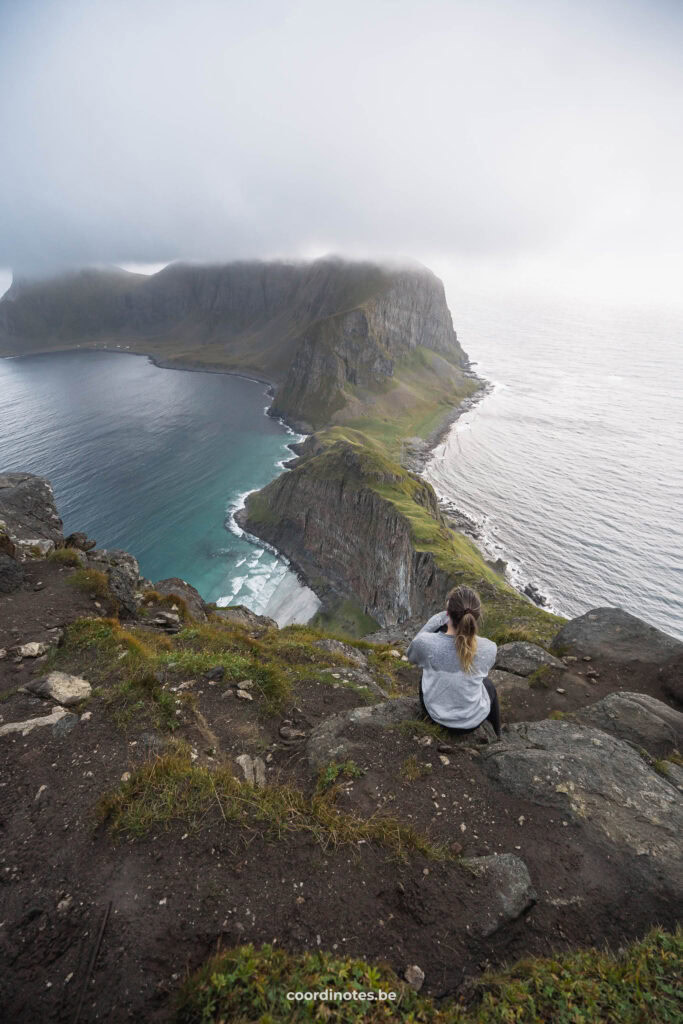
(599, 783)
(329, 517)
(29, 522)
(349, 733)
(616, 635)
(123, 574)
(647, 723)
(240, 615)
(360, 347)
(522, 658)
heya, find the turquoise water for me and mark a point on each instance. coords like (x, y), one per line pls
(153, 461)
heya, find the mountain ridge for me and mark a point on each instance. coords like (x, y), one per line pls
(274, 319)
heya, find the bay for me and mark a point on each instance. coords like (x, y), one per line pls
(154, 461)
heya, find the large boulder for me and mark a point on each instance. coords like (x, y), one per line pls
(636, 718)
(522, 658)
(240, 615)
(192, 599)
(508, 888)
(29, 522)
(616, 635)
(11, 574)
(508, 682)
(599, 782)
(62, 688)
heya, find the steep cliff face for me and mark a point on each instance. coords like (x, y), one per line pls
(316, 329)
(335, 516)
(360, 348)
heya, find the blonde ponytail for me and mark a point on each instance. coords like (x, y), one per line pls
(464, 608)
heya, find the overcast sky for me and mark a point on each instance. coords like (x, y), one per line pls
(537, 140)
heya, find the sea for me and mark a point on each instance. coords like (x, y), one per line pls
(571, 464)
(155, 461)
(569, 468)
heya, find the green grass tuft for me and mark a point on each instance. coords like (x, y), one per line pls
(91, 581)
(173, 790)
(66, 556)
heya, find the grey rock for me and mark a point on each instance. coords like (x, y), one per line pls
(338, 649)
(169, 621)
(11, 574)
(28, 515)
(259, 772)
(123, 572)
(64, 689)
(508, 682)
(616, 635)
(600, 783)
(508, 890)
(243, 694)
(42, 796)
(287, 732)
(80, 541)
(191, 597)
(59, 720)
(414, 976)
(523, 658)
(240, 615)
(639, 719)
(33, 649)
(246, 763)
(327, 743)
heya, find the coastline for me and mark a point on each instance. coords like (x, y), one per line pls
(232, 507)
(416, 455)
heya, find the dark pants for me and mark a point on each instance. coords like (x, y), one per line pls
(493, 716)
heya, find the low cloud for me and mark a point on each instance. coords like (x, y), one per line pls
(145, 131)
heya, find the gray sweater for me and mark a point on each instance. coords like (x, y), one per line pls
(453, 697)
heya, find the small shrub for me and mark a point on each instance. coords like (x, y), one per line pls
(537, 680)
(153, 599)
(91, 581)
(412, 769)
(66, 556)
(334, 770)
(640, 984)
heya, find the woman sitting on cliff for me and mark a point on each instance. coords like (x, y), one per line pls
(455, 690)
